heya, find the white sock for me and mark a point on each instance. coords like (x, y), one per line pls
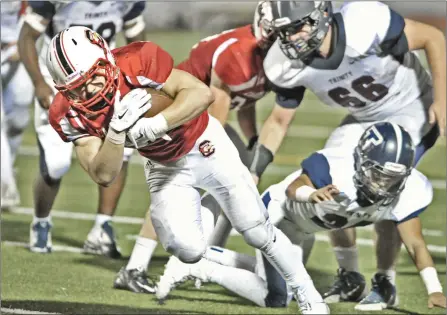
(141, 253)
(46, 219)
(242, 282)
(230, 258)
(207, 222)
(347, 258)
(391, 275)
(101, 218)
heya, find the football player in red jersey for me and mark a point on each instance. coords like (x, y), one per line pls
(99, 109)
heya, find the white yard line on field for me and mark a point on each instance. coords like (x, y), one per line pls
(271, 169)
(137, 221)
(5, 310)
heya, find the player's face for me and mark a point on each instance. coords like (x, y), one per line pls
(91, 87)
(302, 34)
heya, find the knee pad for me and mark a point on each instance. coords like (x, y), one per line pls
(189, 254)
(53, 166)
(259, 236)
(17, 122)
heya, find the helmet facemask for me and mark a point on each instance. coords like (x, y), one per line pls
(379, 183)
(318, 23)
(262, 25)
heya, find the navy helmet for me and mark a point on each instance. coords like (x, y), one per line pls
(290, 16)
(384, 159)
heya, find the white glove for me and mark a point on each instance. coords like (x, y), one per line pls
(148, 130)
(128, 110)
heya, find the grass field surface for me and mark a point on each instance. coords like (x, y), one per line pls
(67, 281)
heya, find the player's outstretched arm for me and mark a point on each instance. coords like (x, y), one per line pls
(411, 234)
(302, 190)
(270, 138)
(432, 40)
(191, 98)
(28, 54)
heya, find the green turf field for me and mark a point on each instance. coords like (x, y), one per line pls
(69, 282)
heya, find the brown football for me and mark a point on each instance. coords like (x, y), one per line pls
(160, 101)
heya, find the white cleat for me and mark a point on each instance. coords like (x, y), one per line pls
(175, 273)
(310, 300)
(10, 196)
(101, 240)
(40, 237)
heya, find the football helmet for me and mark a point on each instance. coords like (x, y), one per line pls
(384, 159)
(290, 16)
(262, 25)
(77, 55)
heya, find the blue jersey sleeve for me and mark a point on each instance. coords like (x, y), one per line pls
(317, 168)
(136, 10)
(46, 9)
(289, 98)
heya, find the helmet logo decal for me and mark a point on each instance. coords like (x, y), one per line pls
(94, 38)
(374, 137)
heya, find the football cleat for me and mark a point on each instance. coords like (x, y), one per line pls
(10, 196)
(177, 272)
(40, 237)
(101, 241)
(349, 286)
(134, 280)
(383, 295)
(311, 302)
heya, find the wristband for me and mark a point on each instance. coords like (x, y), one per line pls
(262, 158)
(302, 194)
(158, 125)
(116, 137)
(431, 280)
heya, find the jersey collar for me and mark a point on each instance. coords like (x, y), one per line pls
(338, 47)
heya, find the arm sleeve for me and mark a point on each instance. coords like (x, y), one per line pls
(135, 11)
(289, 98)
(37, 11)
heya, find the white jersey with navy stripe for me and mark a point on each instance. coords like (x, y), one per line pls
(334, 166)
(105, 17)
(370, 70)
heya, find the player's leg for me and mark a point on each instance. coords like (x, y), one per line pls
(232, 185)
(133, 277)
(54, 161)
(223, 226)
(343, 242)
(9, 193)
(18, 98)
(101, 239)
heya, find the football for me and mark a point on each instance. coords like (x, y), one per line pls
(160, 101)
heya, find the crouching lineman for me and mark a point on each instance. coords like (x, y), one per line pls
(185, 148)
(337, 189)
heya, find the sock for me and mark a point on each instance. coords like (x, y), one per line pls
(207, 223)
(221, 231)
(46, 219)
(230, 258)
(101, 218)
(141, 253)
(347, 258)
(242, 282)
(391, 275)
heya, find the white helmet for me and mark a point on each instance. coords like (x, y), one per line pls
(74, 56)
(262, 24)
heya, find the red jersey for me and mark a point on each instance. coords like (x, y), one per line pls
(237, 60)
(142, 64)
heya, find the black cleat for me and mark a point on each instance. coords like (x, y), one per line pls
(349, 286)
(134, 280)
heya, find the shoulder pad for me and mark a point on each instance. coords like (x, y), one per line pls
(144, 64)
(366, 23)
(236, 61)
